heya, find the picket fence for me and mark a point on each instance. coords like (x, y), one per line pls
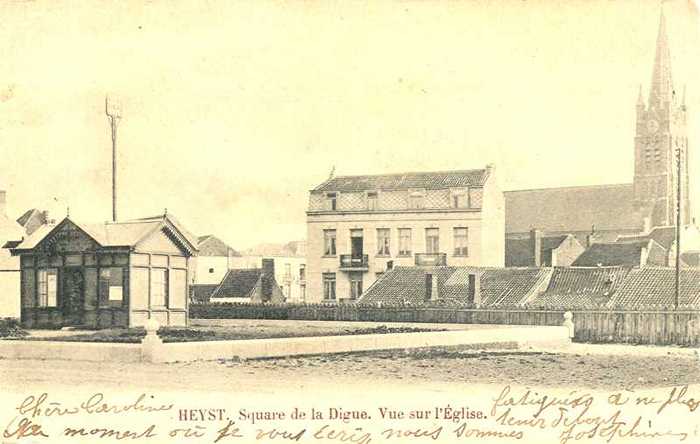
(639, 326)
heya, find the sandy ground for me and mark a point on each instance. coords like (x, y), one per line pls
(585, 365)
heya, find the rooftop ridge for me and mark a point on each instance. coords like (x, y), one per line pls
(411, 172)
(572, 187)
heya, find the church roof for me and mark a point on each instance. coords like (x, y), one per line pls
(573, 209)
(404, 181)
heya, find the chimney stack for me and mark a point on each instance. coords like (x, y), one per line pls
(431, 287)
(474, 289)
(3, 203)
(268, 277)
(536, 246)
(590, 238)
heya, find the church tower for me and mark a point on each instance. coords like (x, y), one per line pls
(660, 139)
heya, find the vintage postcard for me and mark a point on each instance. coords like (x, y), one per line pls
(349, 222)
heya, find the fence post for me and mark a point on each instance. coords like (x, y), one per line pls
(151, 345)
(569, 323)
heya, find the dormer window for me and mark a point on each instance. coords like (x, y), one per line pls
(332, 201)
(416, 200)
(459, 198)
(372, 200)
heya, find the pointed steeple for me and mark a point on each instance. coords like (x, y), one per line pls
(661, 90)
(640, 99)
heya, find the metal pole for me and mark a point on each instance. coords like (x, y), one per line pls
(114, 170)
(113, 114)
(678, 227)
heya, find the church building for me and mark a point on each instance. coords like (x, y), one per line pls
(604, 213)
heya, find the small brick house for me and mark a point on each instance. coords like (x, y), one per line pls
(249, 285)
(114, 274)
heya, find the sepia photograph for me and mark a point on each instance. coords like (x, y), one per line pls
(350, 221)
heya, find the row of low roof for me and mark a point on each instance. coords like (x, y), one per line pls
(564, 287)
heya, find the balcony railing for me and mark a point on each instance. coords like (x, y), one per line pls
(434, 259)
(350, 262)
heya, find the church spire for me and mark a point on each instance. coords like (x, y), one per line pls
(661, 91)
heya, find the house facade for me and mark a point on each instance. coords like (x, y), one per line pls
(213, 260)
(289, 262)
(249, 285)
(10, 234)
(358, 226)
(106, 275)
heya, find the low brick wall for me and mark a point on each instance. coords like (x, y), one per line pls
(282, 347)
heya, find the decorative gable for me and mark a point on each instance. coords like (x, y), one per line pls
(163, 240)
(67, 237)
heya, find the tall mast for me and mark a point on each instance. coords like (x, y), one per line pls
(113, 112)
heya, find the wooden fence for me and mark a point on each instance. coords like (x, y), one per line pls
(649, 326)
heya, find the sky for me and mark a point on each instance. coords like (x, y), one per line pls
(232, 112)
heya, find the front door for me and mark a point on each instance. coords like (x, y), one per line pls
(72, 296)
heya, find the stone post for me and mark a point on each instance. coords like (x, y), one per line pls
(151, 345)
(569, 323)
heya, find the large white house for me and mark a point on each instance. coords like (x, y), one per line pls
(357, 226)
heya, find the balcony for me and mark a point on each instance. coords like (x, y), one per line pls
(431, 259)
(349, 262)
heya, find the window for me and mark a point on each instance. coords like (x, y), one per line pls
(287, 290)
(355, 285)
(432, 240)
(461, 240)
(302, 292)
(159, 287)
(48, 287)
(332, 201)
(329, 242)
(404, 241)
(372, 199)
(460, 199)
(302, 272)
(329, 286)
(211, 270)
(287, 271)
(383, 242)
(112, 285)
(415, 200)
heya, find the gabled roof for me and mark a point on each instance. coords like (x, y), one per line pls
(115, 234)
(210, 245)
(499, 286)
(238, 283)
(404, 181)
(290, 249)
(656, 286)
(201, 293)
(573, 209)
(613, 254)
(581, 287)
(664, 236)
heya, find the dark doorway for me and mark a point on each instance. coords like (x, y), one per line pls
(356, 241)
(72, 296)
